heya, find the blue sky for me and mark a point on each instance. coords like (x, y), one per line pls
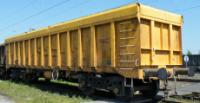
(13, 14)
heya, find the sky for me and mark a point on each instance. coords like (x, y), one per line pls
(18, 16)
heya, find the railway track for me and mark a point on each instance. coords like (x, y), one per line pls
(104, 97)
(169, 101)
(187, 80)
(194, 96)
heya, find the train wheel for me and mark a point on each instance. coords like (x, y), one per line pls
(27, 78)
(2, 73)
(55, 74)
(34, 79)
(15, 75)
(122, 93)
(85, 88)
(88, 91)
(47, 80)
(124, 98)
(153, 89)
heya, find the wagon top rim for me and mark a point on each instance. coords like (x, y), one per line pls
(140, 9)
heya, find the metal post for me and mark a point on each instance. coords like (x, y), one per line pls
(174, 77)
(166, 92)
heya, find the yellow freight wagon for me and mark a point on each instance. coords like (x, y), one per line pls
(117, 49)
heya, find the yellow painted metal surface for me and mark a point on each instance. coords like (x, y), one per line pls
(160, 42)
(39, 51)
(32, 51)
(21, 53)
(86, 45)
(103, 45)
(74, 48)
(63, 49)
(125, 40)
(8, 54)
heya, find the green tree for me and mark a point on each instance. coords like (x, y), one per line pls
(189, 52)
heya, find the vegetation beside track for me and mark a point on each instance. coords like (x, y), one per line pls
(54, 92)
(23, 93)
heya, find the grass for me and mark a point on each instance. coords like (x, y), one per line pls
(34, 93)
(43, 92)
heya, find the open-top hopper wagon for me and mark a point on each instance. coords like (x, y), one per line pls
(122, 50)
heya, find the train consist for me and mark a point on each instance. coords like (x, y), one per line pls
(122, 50)
(192, 61)
(2, 61)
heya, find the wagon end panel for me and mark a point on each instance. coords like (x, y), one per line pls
(160, 44)
(177, 45)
